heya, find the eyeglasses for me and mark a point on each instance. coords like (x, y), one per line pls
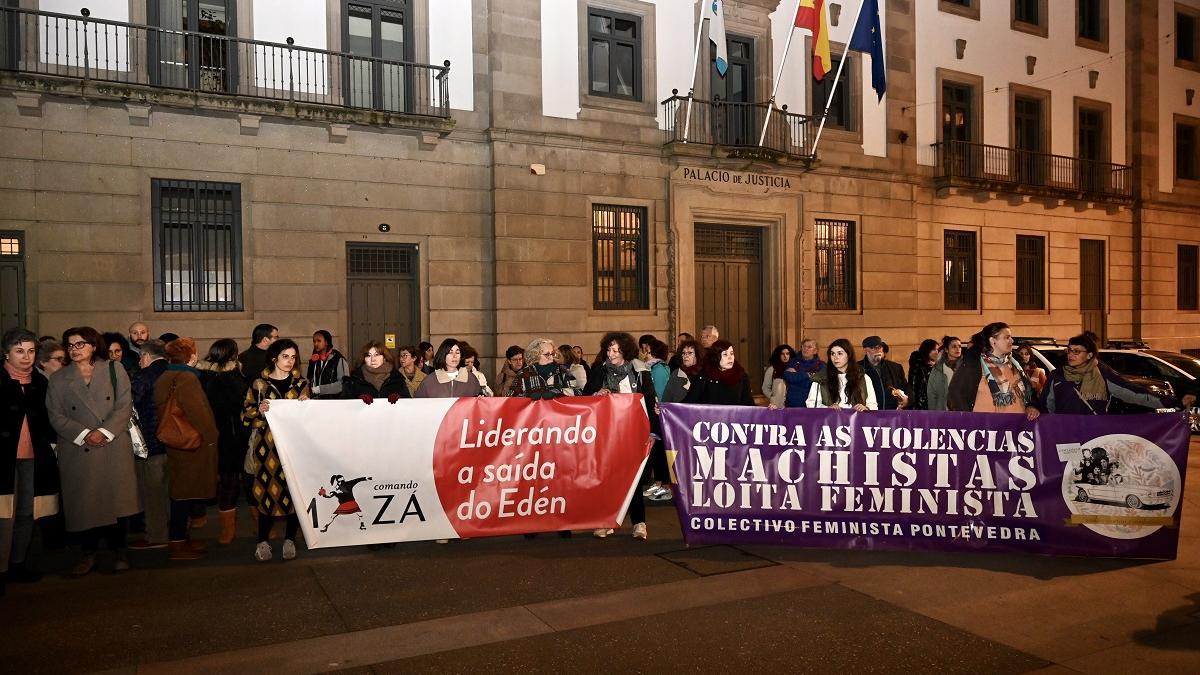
(1076, 350)
(60, 359)
(77, 345)
(547, 353)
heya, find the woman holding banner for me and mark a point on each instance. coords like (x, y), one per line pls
(542, 378)
(376, 376)
(279, 380)
(990, 379)
(620, 373)
(1087, 387)
(845, 383)
(448, 380)
(722, 380)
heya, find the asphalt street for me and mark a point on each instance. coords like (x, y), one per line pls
(614, 605)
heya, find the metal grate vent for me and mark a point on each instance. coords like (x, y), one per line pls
(727, 242)
(379, 261)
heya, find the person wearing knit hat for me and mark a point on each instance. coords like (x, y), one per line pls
(192, 472)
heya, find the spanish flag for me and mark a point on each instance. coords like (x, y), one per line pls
(811, 15)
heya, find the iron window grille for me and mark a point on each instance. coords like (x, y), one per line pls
(197, 246)
(1031, 272)
(614, 54)
(620, 263)
(960, 271)
(1187, 269)
(835, 264)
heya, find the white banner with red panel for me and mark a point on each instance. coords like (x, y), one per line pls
(452, 468)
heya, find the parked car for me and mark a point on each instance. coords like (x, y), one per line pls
(1117, 490)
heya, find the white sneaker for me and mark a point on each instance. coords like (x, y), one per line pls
(661, 493)
(639, 531)
(602, 532)
(650, 490)
(289, 549)
(262, 552)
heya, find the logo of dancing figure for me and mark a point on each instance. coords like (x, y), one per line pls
(343, 491)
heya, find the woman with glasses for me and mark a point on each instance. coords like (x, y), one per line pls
(375, 376)
(1084, 386)
(51, 357)
(542, 377)
(90, 404)
(408, 362)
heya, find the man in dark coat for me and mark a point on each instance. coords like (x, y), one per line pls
(152, 471)
(891, 387)
(254, 359)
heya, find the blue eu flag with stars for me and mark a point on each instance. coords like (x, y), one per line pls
(868, 37)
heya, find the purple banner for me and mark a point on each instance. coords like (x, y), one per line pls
(915, 480)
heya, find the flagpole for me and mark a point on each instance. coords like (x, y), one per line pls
(836, 78)
(687, 123)
(779, 75)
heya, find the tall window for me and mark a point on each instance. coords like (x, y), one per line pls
(1187, 49)
(960, 270)
(842, 113)
(620, 257)
(193, 61)
(1091, 22)
(378, 32)
(836, 273)
(614, 54)
(1187, 291)
(1187, 163)
(1029, 16)
(197, 246)
(1031, 272)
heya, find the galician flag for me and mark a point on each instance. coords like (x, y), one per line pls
(811, 14)
(715, 14)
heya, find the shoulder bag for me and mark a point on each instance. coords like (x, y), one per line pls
(174, 429)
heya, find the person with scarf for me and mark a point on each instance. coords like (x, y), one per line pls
(278, 380)
(802, 371)
(326, 367)
(774, 387)
(408, 364)
(619, 372)
(990, 379)
(1085, 386)
(1036, 375)
(938, 386)
(376, 376)
(514, 361)
(681, 387)
(542, 377)
(722, 379)
(844, 384)
(920, 367)
(28, 466)
(192, 474)
(565, 356)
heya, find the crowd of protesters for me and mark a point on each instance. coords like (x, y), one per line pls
(129, 430)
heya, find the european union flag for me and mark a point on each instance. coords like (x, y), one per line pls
(868, 37)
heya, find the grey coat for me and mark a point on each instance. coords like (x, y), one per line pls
(99, 485)
(939, 383)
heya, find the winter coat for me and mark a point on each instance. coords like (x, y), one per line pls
(325, 376)
(269, 488)
(440, 384)
(799, 383)
(680, 388)
(938, 386)
(640, 382)
(1061, 396)
(99, 485)
(887, 375)
(528, 383)
(27, 403)
(192, 473)
(142, 385)
(226, 391)
(355, 385)
(711, 390)
(919, 371)
(964, 386)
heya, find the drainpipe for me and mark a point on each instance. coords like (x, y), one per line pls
(1137, 46)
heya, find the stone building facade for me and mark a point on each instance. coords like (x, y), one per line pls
(542, 196)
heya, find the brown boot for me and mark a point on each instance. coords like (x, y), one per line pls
(182, 550)
(228, 526)
(198, 546)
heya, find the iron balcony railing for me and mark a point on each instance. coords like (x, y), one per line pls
(996, 167)
(739, 126)
(80, 47)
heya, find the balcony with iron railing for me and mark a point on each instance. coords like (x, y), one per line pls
(992, 167)
(46, 52)
(736, 129)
